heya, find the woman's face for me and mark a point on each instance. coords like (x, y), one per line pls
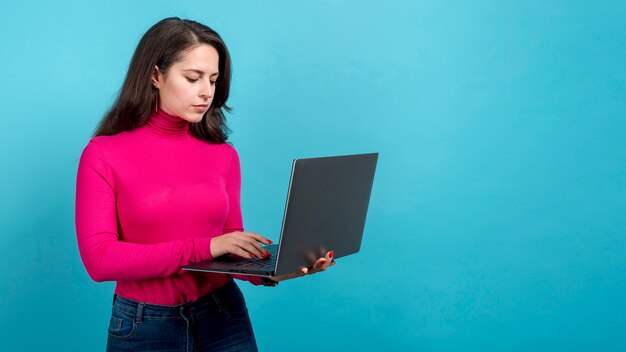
(188, 87)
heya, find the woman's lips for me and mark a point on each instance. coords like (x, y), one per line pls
(200, 107)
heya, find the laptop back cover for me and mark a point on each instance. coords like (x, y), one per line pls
(326, 209)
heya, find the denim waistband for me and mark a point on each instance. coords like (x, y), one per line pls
(211, 301)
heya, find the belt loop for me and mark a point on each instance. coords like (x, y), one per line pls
(139, 315)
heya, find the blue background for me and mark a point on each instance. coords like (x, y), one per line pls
(497, 215)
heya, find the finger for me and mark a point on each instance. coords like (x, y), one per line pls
(258, 237)
(320, 264)
(300, 273)
(240, 244)
(324, 262)
(240, 252)
(253, 240)
(330, 255)
(252, 247)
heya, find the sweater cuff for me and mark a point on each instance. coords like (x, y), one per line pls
(202, 249)
(256, 280)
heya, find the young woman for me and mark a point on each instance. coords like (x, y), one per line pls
(158, 188)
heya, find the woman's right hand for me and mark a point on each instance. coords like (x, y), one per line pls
(243, 244)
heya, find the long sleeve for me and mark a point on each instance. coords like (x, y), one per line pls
(234, 220)
(105, 257)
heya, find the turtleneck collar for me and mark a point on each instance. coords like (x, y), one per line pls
(164, 123)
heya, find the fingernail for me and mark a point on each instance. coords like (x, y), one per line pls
(330, 254)
(251, 255)
(269, 241)
(323, 261)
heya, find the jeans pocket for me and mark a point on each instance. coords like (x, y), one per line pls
(122, 324)
(235, 308)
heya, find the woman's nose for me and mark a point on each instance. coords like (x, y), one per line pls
(206, 91)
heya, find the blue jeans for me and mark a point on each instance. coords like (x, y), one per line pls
(216, 322)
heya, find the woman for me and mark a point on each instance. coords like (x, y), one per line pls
(158, 188)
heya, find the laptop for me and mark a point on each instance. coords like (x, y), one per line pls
(325, 210)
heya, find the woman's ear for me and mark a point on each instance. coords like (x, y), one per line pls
(156, 77)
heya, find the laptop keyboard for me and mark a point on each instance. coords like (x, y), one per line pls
(268, 263)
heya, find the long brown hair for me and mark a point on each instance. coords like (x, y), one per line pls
(164, 44)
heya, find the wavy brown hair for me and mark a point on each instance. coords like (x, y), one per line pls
(164, 44)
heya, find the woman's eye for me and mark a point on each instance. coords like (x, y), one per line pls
(213, 83)
(191, 79)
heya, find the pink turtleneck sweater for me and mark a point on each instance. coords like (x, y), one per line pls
(148, 201)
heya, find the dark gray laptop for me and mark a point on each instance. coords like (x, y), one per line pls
(326, 208)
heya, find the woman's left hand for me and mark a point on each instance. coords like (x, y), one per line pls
(320, 265)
